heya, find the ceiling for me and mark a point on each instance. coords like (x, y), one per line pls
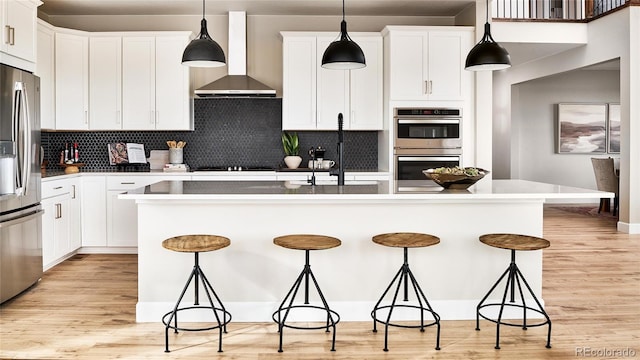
(256, 7)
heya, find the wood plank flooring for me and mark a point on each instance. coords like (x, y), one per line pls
(84, 308)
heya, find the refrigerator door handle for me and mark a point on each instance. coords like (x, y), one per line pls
(27, 139)
(15, 136)
(22, 134)
(21, 219)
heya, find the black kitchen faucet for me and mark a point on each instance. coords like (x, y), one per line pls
(340, 171)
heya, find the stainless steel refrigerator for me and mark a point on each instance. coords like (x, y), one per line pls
(20, 209)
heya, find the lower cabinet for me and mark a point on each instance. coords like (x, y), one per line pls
(61, 220)
(122, 215)
(94, 212)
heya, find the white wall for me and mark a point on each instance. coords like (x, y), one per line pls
(615, 36)
(534, 125)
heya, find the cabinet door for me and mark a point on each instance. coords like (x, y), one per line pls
(105, 83)
(332, 95)
(122, 220)
(445, 55)
(61, 227)
(48, 232)
(172, 84)
(45, 70)
(138, 83)
(55, 230)
(94, 211)
(72, 73)
(366, 87)
(74, 214)
(407, 80)
(20, 36)
(299, 83)
(122, 214)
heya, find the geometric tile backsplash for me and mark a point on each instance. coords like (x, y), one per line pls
(228, 131)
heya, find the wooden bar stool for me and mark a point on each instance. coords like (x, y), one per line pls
(197, 244)
(305, 242)
(514, 278)
(404, 276)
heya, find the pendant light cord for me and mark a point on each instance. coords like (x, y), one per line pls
(203, 9)
(342, 10)
(487, 9)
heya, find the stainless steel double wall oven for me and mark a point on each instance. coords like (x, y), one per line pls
(426, 138)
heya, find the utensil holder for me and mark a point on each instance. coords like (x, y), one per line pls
(175, 156)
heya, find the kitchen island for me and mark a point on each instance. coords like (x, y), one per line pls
(253, 275)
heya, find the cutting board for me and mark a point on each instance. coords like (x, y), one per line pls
(157, 159)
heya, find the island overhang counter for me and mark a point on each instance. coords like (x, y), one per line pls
(252, 275)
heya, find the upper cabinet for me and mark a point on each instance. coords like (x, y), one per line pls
(19, 28)
(313, 96)
(45, 69)
(105, 82)
(72, 81)
(427, 63)
(155, 85)
(115, 80)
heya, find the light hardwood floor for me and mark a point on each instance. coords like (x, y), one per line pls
(84, 308)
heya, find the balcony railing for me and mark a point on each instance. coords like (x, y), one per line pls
(563, 10)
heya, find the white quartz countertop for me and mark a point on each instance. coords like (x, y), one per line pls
(486, 189)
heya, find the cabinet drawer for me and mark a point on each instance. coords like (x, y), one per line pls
(55, 188)
(128, 182)
(134, 182)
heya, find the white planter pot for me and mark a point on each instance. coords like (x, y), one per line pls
(292, 162)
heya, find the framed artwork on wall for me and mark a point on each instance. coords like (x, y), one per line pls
(582, 128)
(613, 129)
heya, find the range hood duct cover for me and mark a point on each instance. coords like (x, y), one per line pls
(237, 83)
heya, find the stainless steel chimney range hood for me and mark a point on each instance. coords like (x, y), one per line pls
(237, 83)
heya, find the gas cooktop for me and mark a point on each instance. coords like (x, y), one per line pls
(235, 168)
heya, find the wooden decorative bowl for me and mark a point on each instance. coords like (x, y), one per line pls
(452, 181)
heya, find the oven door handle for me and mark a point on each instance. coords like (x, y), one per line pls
(429, 121)
(430, 158)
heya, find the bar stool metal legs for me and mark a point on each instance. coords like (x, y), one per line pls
(287, 305)
(515, 279)
(222, 316)
(404, 277)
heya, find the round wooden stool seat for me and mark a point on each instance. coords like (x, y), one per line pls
(196, 243)
(406, 239)
(514, 241)
(307, 242)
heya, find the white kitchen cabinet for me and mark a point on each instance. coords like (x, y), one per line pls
(72, 81)
(313, 96)
(173, 99)
(94, 212)
(299, 81)
(45, 69)
(427, 63)
(332, 91)
(122, 215)
(75, 213)
(105, 83)
(19, 28)
(61, 220)
(366, 88)
(155, 86)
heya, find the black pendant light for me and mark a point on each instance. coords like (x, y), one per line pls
(343, 54)
(203, 51)
(487, 54)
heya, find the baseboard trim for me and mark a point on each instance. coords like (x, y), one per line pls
(348, 310)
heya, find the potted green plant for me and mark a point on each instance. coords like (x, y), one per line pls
(291, 148)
